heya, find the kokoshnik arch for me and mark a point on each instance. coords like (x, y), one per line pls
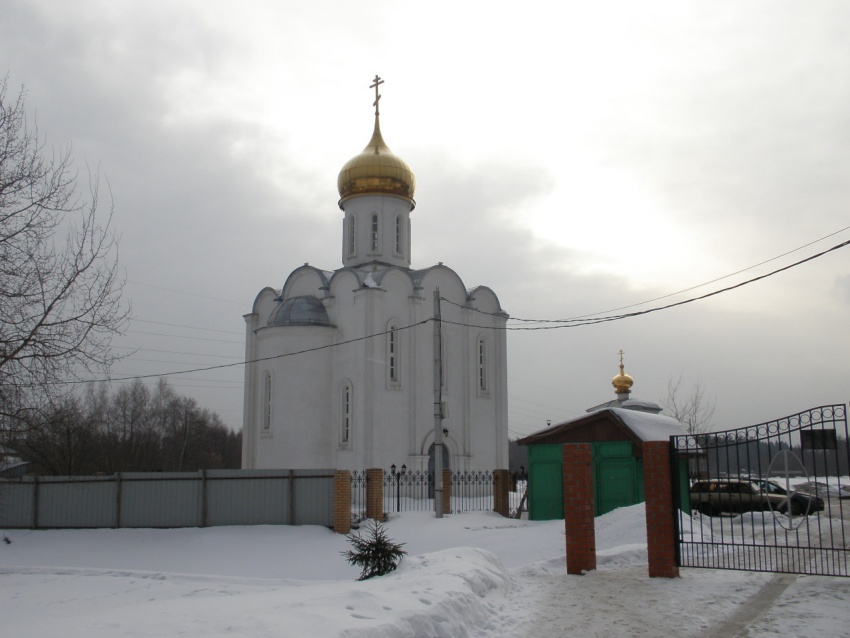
(355, 400)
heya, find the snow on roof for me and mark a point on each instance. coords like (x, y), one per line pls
(642, 426)
(648, 426)
(631, 404)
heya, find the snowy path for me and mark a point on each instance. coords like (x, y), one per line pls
(738, 623)
(474, 575)
(702, 603)
(624, 602)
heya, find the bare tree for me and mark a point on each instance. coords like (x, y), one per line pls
(60, 290)
(694, 411)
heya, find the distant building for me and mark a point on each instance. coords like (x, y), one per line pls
(11, 465)
(340, 364)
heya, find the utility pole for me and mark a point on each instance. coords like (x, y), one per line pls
(438, 410)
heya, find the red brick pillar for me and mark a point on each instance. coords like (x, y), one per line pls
(578, 507)
(375, 494)
(660, 510)
(342, 501)
(501, 489)
(447, 491)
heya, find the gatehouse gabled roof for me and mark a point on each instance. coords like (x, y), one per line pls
(609, 424)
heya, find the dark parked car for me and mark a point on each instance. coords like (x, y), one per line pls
(717, 496)
(801, 502)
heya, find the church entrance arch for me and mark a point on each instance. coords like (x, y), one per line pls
(432, 460)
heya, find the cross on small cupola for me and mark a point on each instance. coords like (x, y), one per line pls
(622, 382)
(377, 82)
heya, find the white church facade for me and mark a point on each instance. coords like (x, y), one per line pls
(340, 364)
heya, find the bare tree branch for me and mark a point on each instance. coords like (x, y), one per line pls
(695, 411)
(60, 288)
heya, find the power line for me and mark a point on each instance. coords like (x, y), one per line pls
(672, 294)
(163, 334)
(241, 363)
(581, 318)
(183, 292)
(132, 359)
(194, 354)
(179, 325)
(578, 321)
(565, 323)
(231, 383)
(706, 283)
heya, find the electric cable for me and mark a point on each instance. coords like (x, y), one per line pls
(566, 323)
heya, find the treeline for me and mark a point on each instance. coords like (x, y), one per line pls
(719, 458)
(133, 429)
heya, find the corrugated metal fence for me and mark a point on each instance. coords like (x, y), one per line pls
(169, 499)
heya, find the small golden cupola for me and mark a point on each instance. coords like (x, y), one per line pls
(376, 170)
(622, 382)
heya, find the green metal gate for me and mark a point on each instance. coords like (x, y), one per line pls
(545, 482)
(617, 479)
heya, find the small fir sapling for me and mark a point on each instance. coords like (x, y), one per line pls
(375, 554)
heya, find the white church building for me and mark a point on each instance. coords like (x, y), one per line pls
(340, 364)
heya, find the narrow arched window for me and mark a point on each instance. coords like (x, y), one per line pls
(398, 235)
(374, 232)
(393, 351)
(482, 365)
(345, 414)
(267, 402)
(352, 238)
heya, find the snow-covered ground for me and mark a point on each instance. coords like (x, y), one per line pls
(473, 574)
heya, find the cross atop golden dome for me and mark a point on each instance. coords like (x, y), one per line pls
(376, 170)
(622, 382)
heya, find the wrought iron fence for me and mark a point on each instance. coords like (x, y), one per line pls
(414, 491)
(472, 491)
(358, 495)
(517, 497)
(769, 497)
(406, 491)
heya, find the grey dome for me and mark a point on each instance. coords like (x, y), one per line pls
(300, 311)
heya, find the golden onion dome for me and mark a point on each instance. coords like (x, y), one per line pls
(376, 170)
(622, 382)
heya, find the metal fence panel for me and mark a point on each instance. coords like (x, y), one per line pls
(17, 504)
(314, 503)
(75, 502)
(247, 498)
(169, 499)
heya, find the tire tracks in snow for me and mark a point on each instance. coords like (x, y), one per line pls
(736, 625)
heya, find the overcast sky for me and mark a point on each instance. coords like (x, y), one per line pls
(574, 156)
